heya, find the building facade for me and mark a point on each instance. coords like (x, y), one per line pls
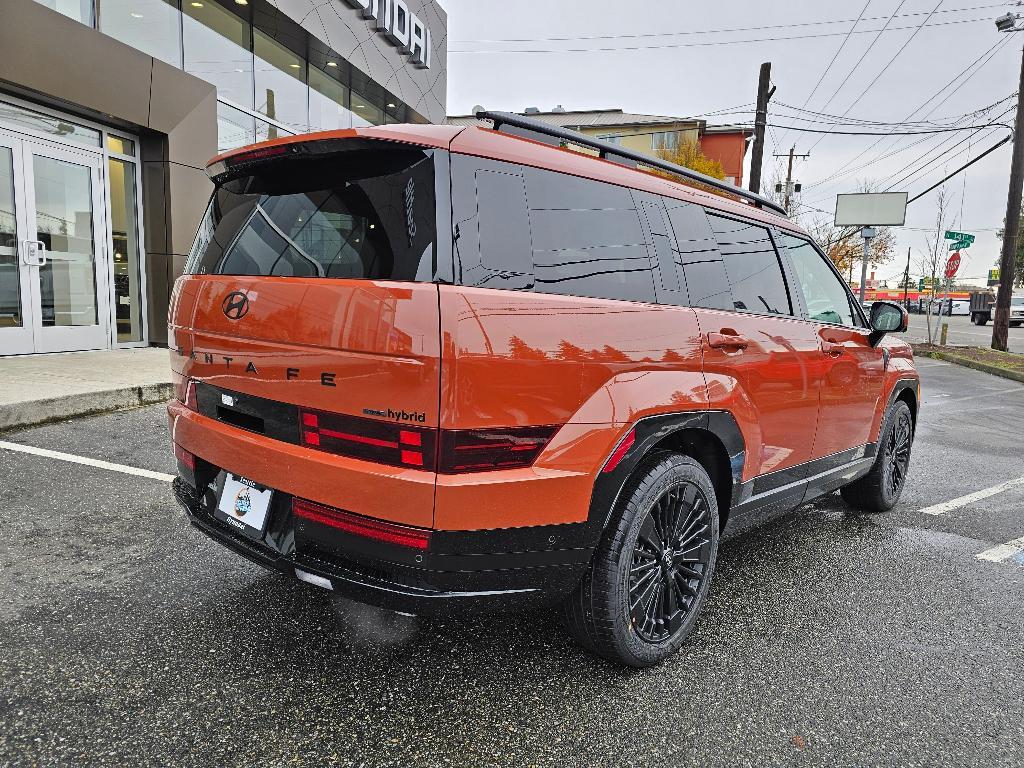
(650, 134)
(106, 130)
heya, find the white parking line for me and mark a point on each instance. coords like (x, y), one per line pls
(1003, 552)
(124, 469)
(963, 501)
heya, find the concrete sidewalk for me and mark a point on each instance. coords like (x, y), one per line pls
(38, 388)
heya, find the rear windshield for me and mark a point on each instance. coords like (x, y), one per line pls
(368, 213)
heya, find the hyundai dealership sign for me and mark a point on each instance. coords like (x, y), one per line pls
(399, 26)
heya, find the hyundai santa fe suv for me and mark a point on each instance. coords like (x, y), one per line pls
(438, 368)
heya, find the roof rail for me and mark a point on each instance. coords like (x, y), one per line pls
(608, 150)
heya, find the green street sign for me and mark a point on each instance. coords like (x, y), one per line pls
(959, 246)
(952, 235)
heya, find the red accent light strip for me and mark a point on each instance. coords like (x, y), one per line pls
(620, 451)
(358, 438)
(378, 530)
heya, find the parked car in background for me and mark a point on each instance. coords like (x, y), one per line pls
(439, 368)
(959, 307)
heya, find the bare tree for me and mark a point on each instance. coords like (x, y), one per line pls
(933, 260)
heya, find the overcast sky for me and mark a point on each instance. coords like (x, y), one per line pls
(667, 62)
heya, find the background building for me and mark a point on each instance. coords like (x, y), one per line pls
(110, 109)
(650, 133)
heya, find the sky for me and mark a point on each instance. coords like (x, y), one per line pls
(934, 66)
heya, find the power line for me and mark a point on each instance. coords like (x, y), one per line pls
(889, 133)
(991, 149)
(646, 35)
(990, 54)
(836, 54)
(863, 55)
(607, 49)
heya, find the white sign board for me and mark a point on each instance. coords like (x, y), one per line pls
(871, 209)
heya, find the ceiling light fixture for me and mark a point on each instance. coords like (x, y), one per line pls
(332, 63)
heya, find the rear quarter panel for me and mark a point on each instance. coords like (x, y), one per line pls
(594, 366)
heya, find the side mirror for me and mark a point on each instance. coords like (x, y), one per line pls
(887, 317)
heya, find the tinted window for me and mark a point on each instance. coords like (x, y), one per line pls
(826, 297)
(752, 266)
(696, 251)
(587, 239)
(369, 215)
(502, 222)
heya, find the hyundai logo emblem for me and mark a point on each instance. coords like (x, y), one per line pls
(236, 305)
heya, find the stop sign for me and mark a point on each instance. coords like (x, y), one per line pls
(952, 265)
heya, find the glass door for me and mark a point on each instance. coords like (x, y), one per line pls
(64, 226)
(16, 322)
(54, 286)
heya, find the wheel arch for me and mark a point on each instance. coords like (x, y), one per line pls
(712, 438)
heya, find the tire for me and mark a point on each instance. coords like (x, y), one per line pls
(623, 610)
(880, 489)
(982, 319)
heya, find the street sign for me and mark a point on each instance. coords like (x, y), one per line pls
(871, 209)
(951, 235)
(952, 265)
(993, 277)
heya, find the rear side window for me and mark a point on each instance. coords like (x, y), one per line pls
(364, 214)
(696, 251)
(752, 266)
(587, 239)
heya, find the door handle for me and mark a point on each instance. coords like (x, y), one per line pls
(727, 341)
(831, 348)
(34, 253)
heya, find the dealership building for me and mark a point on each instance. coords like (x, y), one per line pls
(110, 110)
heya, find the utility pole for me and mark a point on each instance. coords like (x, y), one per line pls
(791, 187)
(867, 233)
(1001, 326)
(760, 119)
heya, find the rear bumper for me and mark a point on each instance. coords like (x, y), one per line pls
(460, 571)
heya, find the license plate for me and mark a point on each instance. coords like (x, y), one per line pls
(244, 504)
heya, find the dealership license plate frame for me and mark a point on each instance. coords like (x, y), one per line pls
(253, 521)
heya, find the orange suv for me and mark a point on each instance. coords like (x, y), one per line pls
(436, 368)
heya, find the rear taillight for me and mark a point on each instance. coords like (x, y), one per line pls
(392, 533)
(448, 451)
(479, 450)
(396, 444)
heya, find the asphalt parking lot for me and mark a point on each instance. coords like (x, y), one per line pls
(128, 638)
(962, 331)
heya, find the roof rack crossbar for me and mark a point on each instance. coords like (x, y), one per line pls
(606, 149)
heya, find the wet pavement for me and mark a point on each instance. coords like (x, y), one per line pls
(830, 638)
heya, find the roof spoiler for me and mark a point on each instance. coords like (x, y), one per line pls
(524, 126)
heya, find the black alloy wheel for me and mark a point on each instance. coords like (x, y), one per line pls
(642, 593)
(880, 488)
(670, 559)
(897, 455)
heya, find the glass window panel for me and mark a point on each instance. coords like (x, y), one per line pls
(152, 26)
(217, 49)
(54, 126)
(79, 10)
(125, 239)
(64, 213)
(234, 128)
(753, 267)
(281, 92)
(265, 130)
(328, 102)
(120, 146)
(364, 112)
(826, 296)
(10, 283)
